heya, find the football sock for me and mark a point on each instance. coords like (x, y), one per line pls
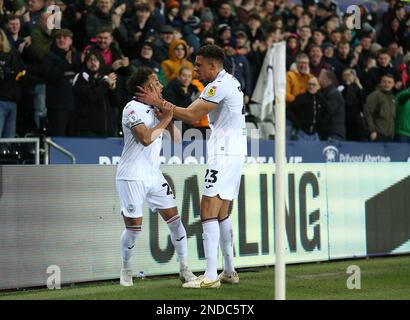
(210, 238)
(179, 240)
(127, 241)
(226, 243)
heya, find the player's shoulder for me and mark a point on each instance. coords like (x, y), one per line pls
(135, 105)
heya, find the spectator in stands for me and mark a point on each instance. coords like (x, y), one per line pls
(185, 12)
(190, 33)
(254, 29)
(393, 32)
(171, 11)
(329, 55)
(11, 72)
(238, 66)
(296, 80)
(292, 49)
(402, 126)
(354, 97)
(34, 55)
(380, 111)
(266, 13)
(13, 32)
(178, 53)
(61, 64)
(316, 61)
(166, 36)
(77, 12)
(318, 37)
(225, 15)
(144, 59)
(30, 16)
(306, 112)
(139, 26)
(181, 92)
(94, 98)
(207, 26)
(108, 48)
(104, 17)
(364, 51)
(345, 59)
(305, 34)
(242, 43)
(335, 127)
(396, 54)
(383, 67)
(244, 10)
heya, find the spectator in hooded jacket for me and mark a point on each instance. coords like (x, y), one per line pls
(61, 64)
(94, 97)
(178, 57)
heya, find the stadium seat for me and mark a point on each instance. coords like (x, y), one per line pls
(254, 110)
(267, 129)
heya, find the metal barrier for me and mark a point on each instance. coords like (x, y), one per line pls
(48, 143)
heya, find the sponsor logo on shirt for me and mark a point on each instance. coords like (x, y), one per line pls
(211, 91)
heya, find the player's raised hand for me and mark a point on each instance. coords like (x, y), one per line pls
(148, 97)
(166, 112)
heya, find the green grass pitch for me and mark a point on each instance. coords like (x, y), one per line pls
(381, 278)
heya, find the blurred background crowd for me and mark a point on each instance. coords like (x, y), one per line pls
(64, 63)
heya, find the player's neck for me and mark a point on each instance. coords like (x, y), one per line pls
(217, 72)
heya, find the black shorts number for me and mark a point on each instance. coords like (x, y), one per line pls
(212, 178)
(169, 190)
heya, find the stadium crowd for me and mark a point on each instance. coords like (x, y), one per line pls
(64, 63)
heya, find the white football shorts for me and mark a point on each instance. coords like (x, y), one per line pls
(223, 176)
(157, 193)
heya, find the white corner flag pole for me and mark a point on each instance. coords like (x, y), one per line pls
(280, 170)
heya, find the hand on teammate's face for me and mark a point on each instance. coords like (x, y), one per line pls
(145, 96)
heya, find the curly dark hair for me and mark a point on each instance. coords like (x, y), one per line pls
(139, 78)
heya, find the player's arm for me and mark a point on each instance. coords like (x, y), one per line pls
(147, 135)
(193, 113)
(174, 132)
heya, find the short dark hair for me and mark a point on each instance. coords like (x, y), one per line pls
(104, 29)
(330, 76)
(139, 78)
(388, 75)
(211, 51)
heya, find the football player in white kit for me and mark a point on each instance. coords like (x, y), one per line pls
(222, 100)
(139, 178)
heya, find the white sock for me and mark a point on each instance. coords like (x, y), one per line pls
(179, 240)
(210, 237)
(226, 243)
(127, 240)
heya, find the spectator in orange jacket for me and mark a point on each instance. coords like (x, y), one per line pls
(296, 80)
(178, 57)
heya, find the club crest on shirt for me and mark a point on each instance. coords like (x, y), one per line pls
(131, 208)
(211, 91)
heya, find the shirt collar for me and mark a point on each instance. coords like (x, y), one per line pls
(221, 74)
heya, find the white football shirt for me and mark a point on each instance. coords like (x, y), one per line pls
(227, 120)
(137, 161)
